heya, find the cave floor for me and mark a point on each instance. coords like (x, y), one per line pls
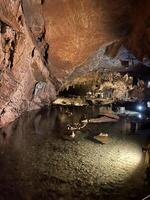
(39, 160)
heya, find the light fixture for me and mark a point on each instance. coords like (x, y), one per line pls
(140, 107)
(139, 116)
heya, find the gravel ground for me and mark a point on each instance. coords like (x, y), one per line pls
(38, 161)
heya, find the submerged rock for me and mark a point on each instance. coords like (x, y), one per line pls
(102, 138)
(101, 120)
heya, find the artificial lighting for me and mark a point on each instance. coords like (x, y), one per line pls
(139, 116)
(122, 158)
(140, 107)
(148, 85)
(148, 104)
(131, 157)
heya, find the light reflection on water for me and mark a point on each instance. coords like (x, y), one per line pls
(40, 161)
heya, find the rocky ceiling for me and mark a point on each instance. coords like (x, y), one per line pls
(45, 43)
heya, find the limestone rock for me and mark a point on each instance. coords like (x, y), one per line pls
(44, 43)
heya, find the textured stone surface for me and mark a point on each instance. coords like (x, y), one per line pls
(44, 43)
(25, 82)
(77, 28)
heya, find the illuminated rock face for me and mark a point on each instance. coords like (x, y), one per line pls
(25, 81)
(75, 29)
(44, 43)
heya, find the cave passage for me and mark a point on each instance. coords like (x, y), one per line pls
(74, 99)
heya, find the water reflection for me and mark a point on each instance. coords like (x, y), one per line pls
(39, 162)
(5, 134)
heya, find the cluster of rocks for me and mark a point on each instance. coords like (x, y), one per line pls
(112, 85)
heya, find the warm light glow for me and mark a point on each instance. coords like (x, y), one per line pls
(130, 157)
(127, 161)
(119, 160)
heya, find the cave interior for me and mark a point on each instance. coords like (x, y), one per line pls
(74, 99)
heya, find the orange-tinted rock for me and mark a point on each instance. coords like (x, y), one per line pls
(75, 29)
(24, 85)
(44, 43)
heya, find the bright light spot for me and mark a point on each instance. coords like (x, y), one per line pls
(148, 85)
(118, 161)
(139, 116)
(148, 104)
(130, 157)
(122, 110)
(140, 107)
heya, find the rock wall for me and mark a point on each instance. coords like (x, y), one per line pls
(45, 43)
(25, 81)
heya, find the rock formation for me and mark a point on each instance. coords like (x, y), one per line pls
(45, 43)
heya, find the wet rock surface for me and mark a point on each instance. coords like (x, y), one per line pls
(38, 162)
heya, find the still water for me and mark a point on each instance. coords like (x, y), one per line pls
(39, 159)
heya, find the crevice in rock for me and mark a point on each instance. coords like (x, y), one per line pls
(32, 54)
(20, 20)
(2, 112)
(8, 44)
(12, 51)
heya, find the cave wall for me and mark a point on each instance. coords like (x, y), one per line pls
(45, 43)
(25, 82)
(77, 28)
(138, 40)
